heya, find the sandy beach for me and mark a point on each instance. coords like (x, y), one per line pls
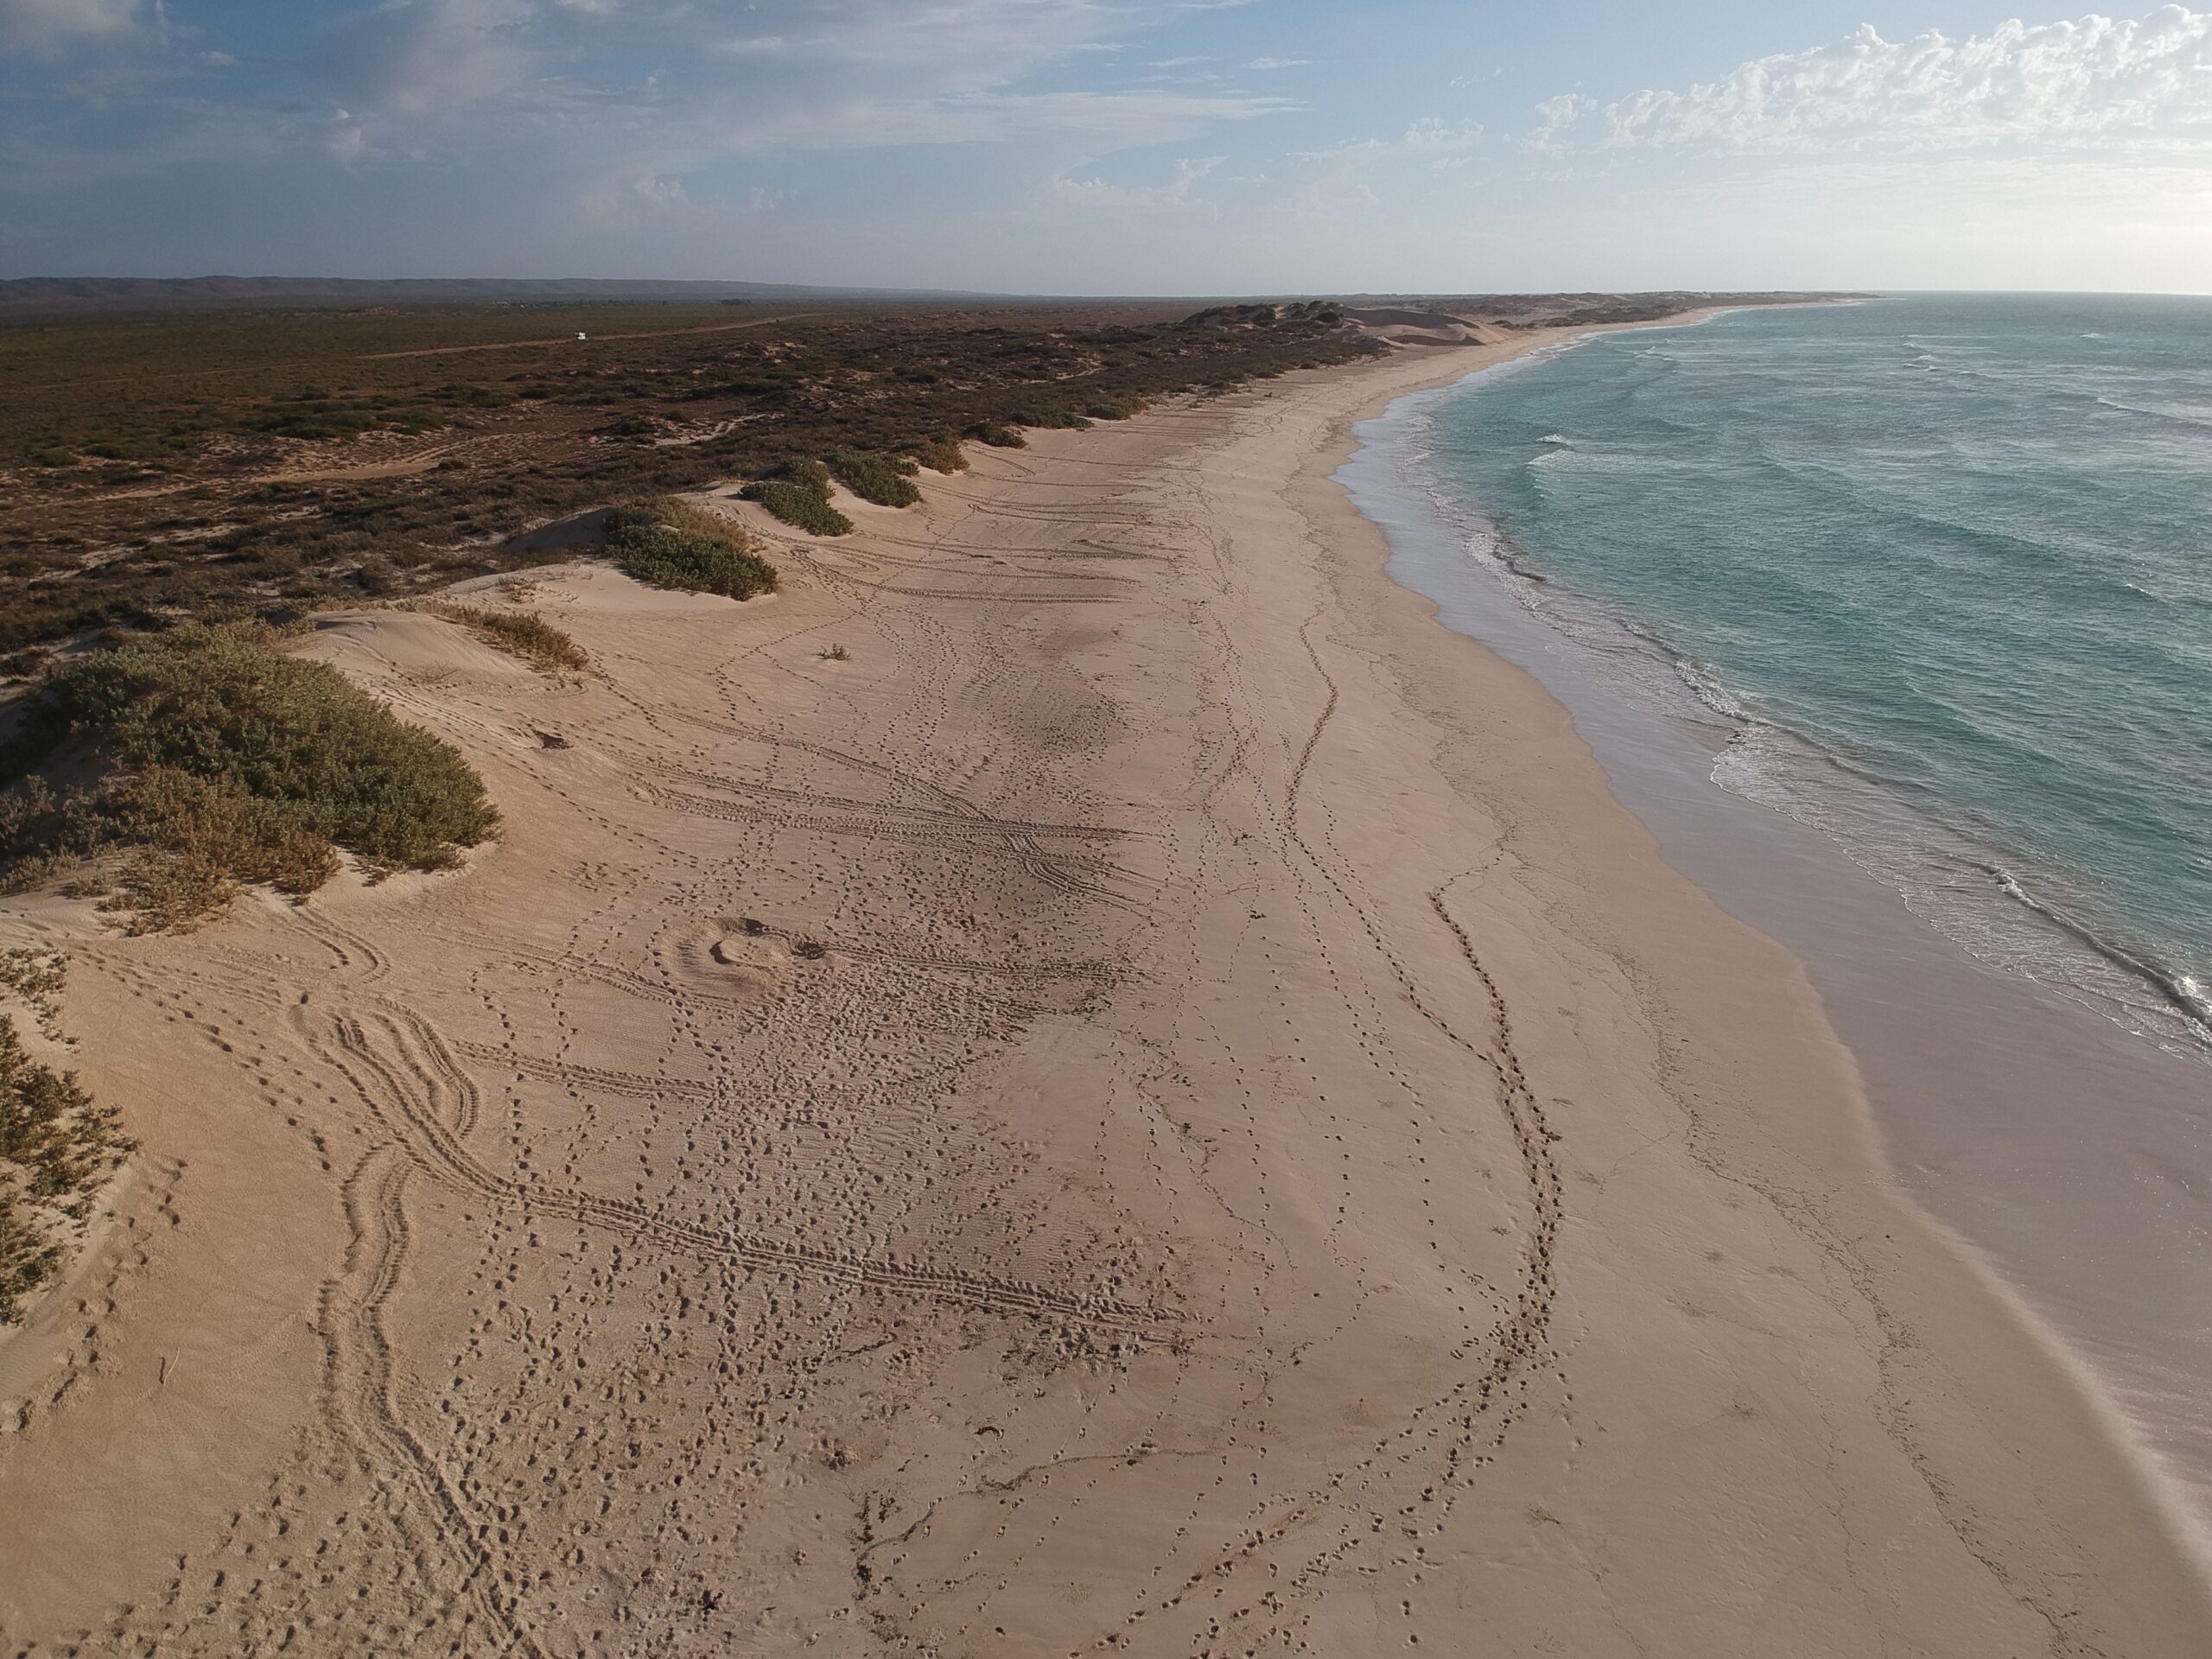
(1084, 1077)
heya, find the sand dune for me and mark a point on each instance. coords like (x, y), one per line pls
(1155, 1105)
(1401, 326)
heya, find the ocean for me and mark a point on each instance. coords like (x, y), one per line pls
(1945, 565)
(1894, 622)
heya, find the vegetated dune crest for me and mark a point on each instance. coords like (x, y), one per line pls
(1408, 327)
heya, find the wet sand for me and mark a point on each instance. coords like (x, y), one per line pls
(1158, 1103)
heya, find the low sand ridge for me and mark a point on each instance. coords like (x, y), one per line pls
(1156, 1106)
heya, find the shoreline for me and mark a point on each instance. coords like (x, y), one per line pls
(1928, 1020)
(2079, 1389)
(1153, 1100)
(2168, 988)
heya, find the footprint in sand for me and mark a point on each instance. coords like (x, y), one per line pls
(757, 949)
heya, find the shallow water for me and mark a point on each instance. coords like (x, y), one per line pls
(2036, 1089)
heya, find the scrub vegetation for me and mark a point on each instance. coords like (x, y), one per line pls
(154, 469)
(186, 762)
(797, 493)
(887, 481)
(56, 1148)
(671, 543)
(941, 455)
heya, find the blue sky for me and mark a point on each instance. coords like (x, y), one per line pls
(1112, 146)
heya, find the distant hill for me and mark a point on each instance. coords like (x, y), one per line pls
(1557, 309)
(32, 297)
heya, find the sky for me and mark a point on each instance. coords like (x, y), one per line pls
(1113, 146)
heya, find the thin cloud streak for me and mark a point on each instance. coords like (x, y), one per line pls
(41, 27)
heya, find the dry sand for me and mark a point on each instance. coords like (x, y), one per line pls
(1158, 1105)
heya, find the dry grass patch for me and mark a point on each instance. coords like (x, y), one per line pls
(941, 456)
(56, 1146)
(522, 634)
(37, 976)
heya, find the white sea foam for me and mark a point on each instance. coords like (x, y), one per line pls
(1705, 685)
(2179, 414)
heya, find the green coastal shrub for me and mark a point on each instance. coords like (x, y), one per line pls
(797, 506)
(797, 491)
(805, 471)
(215, 760)
(997, 436)
(197, 840)
(671, 543)
(881, 479)
(218, 703)
(1051, 419)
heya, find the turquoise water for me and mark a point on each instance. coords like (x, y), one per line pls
(1939, 571)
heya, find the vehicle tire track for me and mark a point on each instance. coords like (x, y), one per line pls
(431, 1145)
(361, 1385)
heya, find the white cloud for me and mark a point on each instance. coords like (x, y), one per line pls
(1175, 193)
(2092, 81)
(673, 111)
(419, 59)
(795, 74)
(1340, 176)
(42, 26)
(1090, 123)
(346, 142)
(1428, 136)
(1278, 63)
